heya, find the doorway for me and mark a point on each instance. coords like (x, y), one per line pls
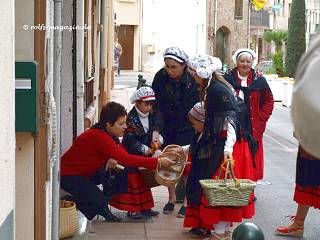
(126, 39)
(222, 44)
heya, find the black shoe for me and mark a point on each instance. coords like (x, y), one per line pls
(109, 216)
(196, 232)
(182, 212)
(134, 215)
(150, 213)
(168, 208)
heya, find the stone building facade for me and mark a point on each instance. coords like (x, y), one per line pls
(227, 28)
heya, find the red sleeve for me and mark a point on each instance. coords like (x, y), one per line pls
(108, 147)
(266, 105)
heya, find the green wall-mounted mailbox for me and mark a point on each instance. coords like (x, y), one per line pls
(26, 85)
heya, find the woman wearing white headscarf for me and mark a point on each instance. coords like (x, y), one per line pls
(258, 98)
(217, 143)
(176, 93)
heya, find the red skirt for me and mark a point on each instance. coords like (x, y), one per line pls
(309, 196)
(205, 216)
(138, 198)
(259, 160)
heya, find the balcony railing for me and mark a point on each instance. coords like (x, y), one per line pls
(260, 19)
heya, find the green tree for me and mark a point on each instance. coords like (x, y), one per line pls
(277, 59)
(296, 36)
(278, 37)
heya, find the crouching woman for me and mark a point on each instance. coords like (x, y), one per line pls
(91, 151)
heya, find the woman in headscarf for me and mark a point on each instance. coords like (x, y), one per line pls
(217, 143)
(176, 93)
(97, 148)
(254, 90)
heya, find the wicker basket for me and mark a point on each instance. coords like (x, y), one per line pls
(169, 177)
(228, 191)
(69, 223)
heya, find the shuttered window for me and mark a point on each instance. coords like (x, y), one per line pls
(238, 9)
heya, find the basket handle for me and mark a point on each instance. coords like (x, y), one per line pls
(228, 166)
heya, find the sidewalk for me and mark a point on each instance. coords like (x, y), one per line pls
(164, 226)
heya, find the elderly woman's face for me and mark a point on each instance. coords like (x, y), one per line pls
(244, 64)
(174, 69)
(118, 128)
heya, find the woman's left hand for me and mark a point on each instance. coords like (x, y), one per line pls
(111, 164)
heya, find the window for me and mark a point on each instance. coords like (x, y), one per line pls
(238, 9)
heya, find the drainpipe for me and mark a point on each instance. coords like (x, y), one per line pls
(110, 43)
(56, 92)
(215, 17)
(79, 65)
(249, 16)
(103, 54)
(140, 68)
(74, 70)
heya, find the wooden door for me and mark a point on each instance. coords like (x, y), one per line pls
(126, 39)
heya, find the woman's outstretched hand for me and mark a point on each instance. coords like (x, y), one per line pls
(166, 162)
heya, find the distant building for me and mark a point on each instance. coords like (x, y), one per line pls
(274, 16)
(168, 23)
(312, 19)
(227, 27)
(128, 28)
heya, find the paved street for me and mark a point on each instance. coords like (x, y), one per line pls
(275, 200)
(274, 193)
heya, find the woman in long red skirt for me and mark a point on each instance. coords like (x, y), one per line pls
(217, 143)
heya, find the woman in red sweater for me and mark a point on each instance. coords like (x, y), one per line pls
(90, 152)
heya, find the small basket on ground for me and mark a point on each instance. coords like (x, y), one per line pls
(229, 191)
(69, 222)
(170, 176)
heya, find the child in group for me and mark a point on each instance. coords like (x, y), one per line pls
(197, 117)
(138, 201)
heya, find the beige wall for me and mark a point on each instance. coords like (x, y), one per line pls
(24, 43)
(24, 186)
(163, 28)
(127, 12)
